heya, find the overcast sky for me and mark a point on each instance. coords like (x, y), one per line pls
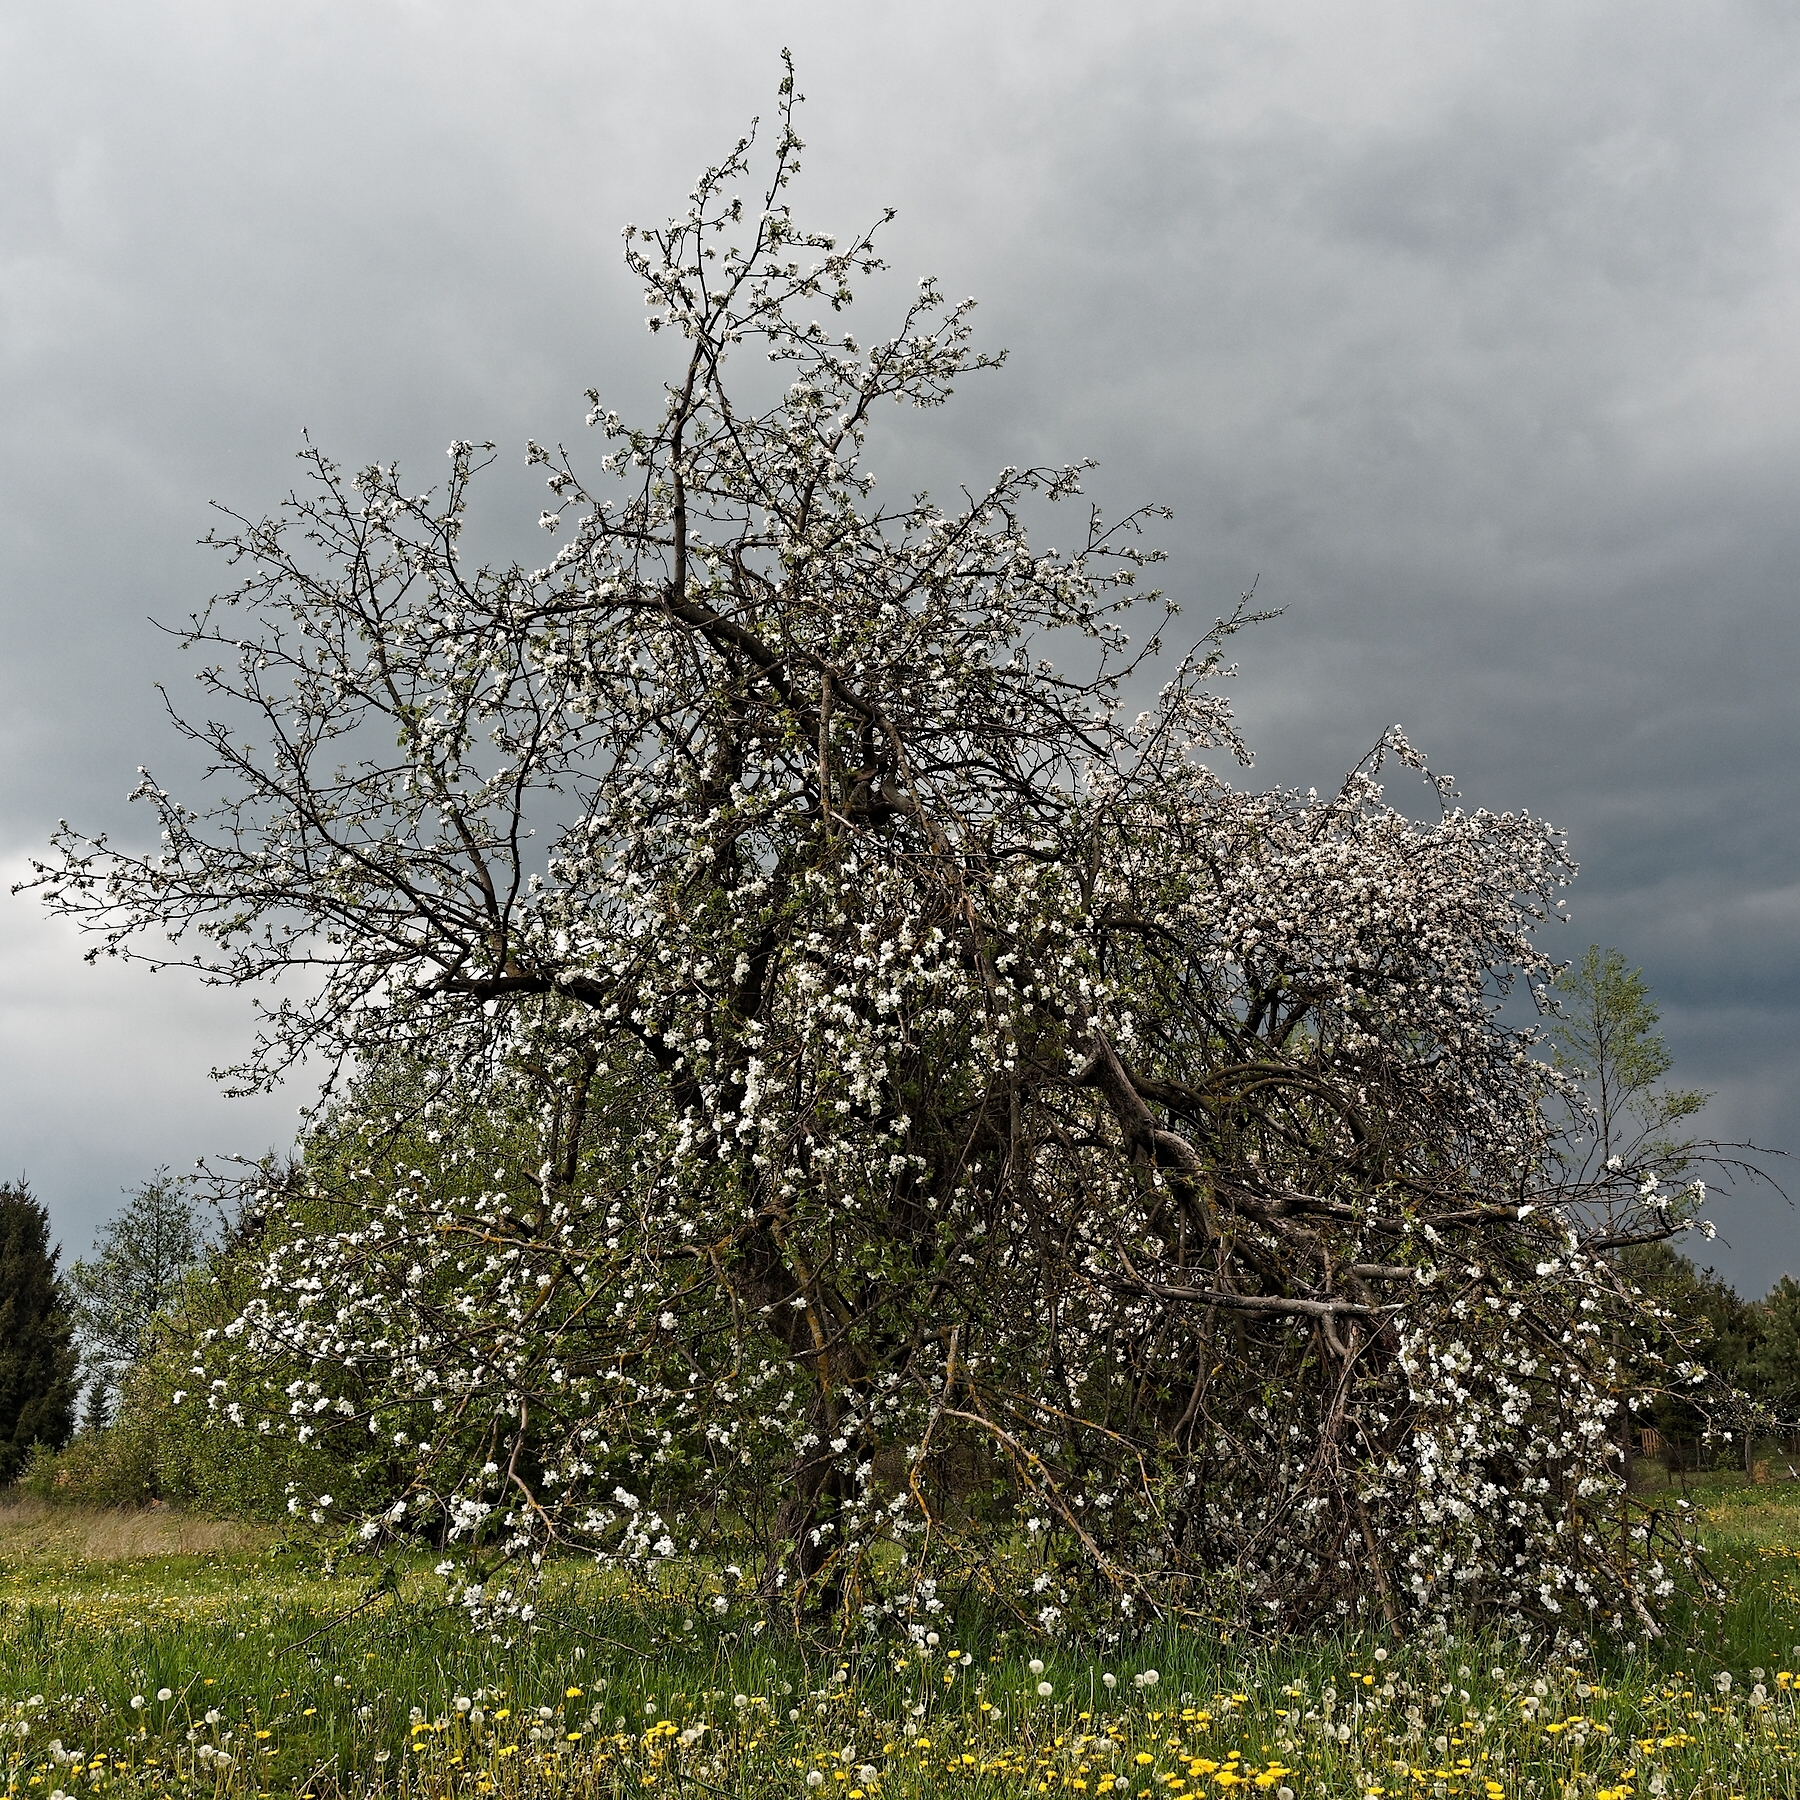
(1469, 331)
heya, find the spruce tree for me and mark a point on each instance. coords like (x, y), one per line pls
(37, 1349)
(96, 1405)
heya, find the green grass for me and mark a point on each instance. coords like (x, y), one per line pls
(314, 1696)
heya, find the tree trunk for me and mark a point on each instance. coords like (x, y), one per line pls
(800, 1549)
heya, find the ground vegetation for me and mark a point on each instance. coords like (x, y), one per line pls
(151, 1654)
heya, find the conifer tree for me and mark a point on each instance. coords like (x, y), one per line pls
(142, 1256)
(37, 1349)
(96, 1405)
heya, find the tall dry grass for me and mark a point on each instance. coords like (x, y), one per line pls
(35, 1529)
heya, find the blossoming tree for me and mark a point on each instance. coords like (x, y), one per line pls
(830, 1078)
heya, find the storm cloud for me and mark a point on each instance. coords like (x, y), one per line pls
(1467, 333)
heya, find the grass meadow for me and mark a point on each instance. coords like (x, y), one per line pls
(149, 1654)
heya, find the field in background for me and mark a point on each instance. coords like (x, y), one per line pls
(36, 1535)
(144, 1653)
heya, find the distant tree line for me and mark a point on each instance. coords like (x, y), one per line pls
(1750, 1347)
(96, 1414)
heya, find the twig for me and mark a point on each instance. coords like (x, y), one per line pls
(387, 1585)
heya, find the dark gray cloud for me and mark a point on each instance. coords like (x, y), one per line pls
(1468, 330)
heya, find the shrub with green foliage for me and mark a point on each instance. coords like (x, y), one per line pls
(157, 1445)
